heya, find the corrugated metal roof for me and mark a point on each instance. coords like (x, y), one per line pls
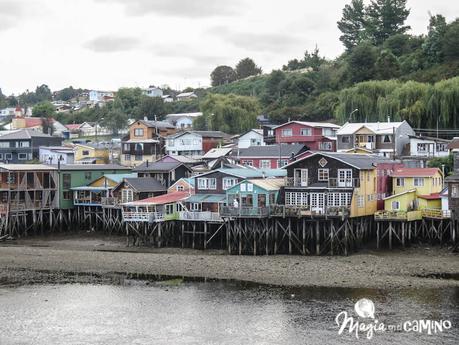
(26, 167)
(285, 150)
(359, 161)
(312, 124)
(415, 172)
(84, 167)
(217, 153)
(162, 199)
(376, 127)
(24, 134)
(145, 184)
(399, 194)
(158, 166)
(207, 198)
(268, 184)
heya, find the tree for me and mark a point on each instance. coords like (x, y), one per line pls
(310, 60)
(151, 107)
(361, 62)
(399, 44)
(246, 68)
(451, 41)
(352, 24)
(387, 66)
(222, 75)
(433, 43)
(66, 94)
(228, 113)
(115, 119)
(272, 86)
(386, 18)
(130, 98)
(43, 109)
(43, 93)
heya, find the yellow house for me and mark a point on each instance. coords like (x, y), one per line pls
(91, 153)
(364, 201)
(425, 181)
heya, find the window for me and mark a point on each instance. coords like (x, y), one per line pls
(323, 174)
(328, 132)
(325, 146)
(287, 132)
(396, 205)
(138, 157)
(1, 156)
(296, 199)
(265, 164)
(5, 144)
(249, 163)
(127, 195)
(419, 181)
(360, 201)
(229, 182)
(194, 206)
(126, 147)
(282, 163)
(179, 188)
(138, 147)
(442, 147)
(387, 139)
(88, 175)
(400, 182)
(306, 132)
(138, 132)
(66, 181)
(339, 199)
(243, 187)
(249, 187)
(171, 142)
(207, 183)
(23, 144)
(85, 153)
(67, 195)
(22, 156)
(127, 157)
(455, 191)
(8, 156)
(346, 139)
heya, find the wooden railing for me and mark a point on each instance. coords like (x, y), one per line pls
(229, 211)
(343, 183)
(296, 182)
(142, 216)
(200, 216)
(398, 215)
(110, 201)
(436, 213)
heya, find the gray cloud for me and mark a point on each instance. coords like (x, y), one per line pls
(112, 44)
(198, 56)
(10, 13)
(267, 42)
(179, 8)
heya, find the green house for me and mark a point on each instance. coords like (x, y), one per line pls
(78, 175)
(252, 197)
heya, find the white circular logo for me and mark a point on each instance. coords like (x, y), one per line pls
(365, 308)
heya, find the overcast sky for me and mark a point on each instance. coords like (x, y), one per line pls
(107, 44)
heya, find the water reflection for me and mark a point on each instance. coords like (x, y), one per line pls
(209, 313)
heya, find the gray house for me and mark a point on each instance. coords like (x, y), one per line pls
(24, 145)
(386, 139)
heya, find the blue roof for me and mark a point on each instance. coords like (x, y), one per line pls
(119, 177)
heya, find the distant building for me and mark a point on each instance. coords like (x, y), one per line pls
(100, 96)
(193, 143)
(185, 96)
(386, 139)
(55, 154)
(153, 92)
(91, 153)
(254, 137)
(182, 121)
(23, 145)
(269, 156)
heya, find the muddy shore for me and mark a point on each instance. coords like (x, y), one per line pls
(92, 258)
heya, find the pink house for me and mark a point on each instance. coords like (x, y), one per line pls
(317, 136)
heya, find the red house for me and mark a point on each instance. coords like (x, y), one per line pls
(270, 156)
(317, 136)
(384, 181)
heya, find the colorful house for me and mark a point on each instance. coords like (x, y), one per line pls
(91, 153)
(252, 197)
(269, 156)
(182, 185)
(137, 188)
(425, 181)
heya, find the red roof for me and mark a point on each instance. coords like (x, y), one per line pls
(73, 126)
(415, 172)
(33, 122)
(165, 199)
(432, 196)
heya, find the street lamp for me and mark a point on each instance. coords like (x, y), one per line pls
(352, 113)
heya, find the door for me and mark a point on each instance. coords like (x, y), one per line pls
(344, 177)
(301, 177)
(318, 202)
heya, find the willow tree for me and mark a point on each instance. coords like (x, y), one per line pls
(443, 103)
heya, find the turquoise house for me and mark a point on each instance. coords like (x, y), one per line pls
(252, 197)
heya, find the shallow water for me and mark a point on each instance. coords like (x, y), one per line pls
(211, 313)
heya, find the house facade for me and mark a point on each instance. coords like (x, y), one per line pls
(167, 172)
(144, 142)
(316, 136)
(193, 143)
(182, 121)
(269, 156)
(254, 137)
(23, 146)
(54, 154)
(387, 139)
(426, 147)
(91, 153)
(333, 184)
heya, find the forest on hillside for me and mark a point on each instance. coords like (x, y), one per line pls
(383, 72)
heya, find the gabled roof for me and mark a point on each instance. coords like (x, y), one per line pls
(145, 184)
(161, 200)
(415, 172)
(118, 177)
(204, 134)
(375, 127)
(189, 180)
(311, 124)
(436, 140)
(433, 196)
(399, 194)
(286, 150)
(158, 166)
(183, 159)
(248, 173)
(26, 167)
(192, 115)
(358, 161)
(255, 130)
(454, 144)
(24, 134)
(156, 124)
(268, 184)
(217, 153)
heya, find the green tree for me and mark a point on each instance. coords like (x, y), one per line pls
(451, 41)
(399, 44)
(433, 43)
(386, 18)
(43, 109)
(115, 119)
(311, 60)
(272, 86)
(130, 98)
(43, 93)
(151, 107)
(228, 113)
(66, 94)
(246, 68)
(387, 66)
(223, 75)
(353, 24)
(361, 63)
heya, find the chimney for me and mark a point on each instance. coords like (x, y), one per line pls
(145, 118)
(388, 118)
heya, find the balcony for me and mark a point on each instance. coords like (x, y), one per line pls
(297, 182)
(398, 215)
(307, 211)
(244, 212)
(147, 217)
(200, 216)
(435, 213)
(110, 202)
(343, 183)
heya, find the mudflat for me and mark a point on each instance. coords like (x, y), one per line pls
(51, 259)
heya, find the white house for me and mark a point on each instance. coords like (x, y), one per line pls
(184, 144)
(99, 96)
(153, 92)
(254, 137)
(182, 121)
(54, 154)
(428, 147)
(186, 96)
(444, 200)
